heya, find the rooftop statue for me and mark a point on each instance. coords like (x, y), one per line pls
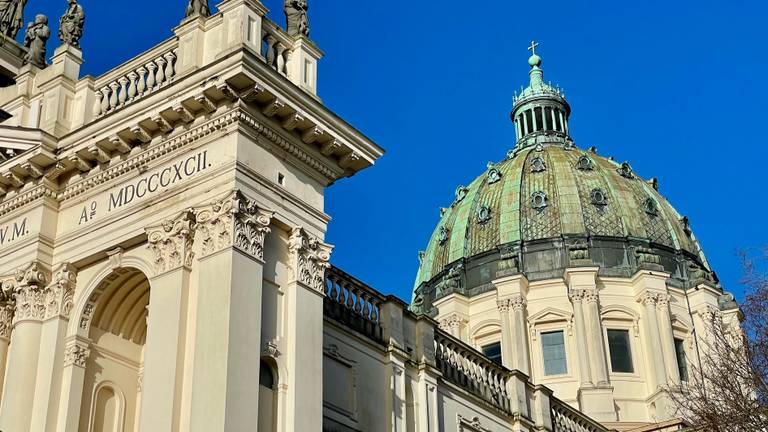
(296, 17)
(37, 36)
(71, 24)
(198, 8)
(11, 17)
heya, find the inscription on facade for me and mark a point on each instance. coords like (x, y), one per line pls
(148, 185)
(13, 231)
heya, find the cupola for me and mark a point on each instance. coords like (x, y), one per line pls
(540, 111)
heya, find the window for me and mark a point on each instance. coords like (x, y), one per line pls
(553, 350)
(493, 352)
(682, 362)
(621, 351)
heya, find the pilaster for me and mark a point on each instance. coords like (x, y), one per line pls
(58, 297)
(309, 258)
(225, 378)
(511, 292)
(76, 353)
(59, 90)
(21, 374)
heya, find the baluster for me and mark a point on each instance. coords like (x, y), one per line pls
(123, 96)
(97, 103)
(280, 58)
(141, 86)
(375, 311)
(170, 66)
(271, 50)
(350, 300)
(160, 78)
(364, 306)
(151, 67)
(113, 100)
(105, 99)
(132, 77)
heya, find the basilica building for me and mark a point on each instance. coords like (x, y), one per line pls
(163, 263)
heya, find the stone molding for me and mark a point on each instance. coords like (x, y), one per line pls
(171, 242)
(310, 258)
(234, 221)
(59, 295)
(28, 293)
(76, 353)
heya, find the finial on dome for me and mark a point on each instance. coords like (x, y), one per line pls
(534, 60)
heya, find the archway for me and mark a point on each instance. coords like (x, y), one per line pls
(117, 314)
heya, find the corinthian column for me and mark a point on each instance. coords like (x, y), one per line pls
(17, 404)
(304, 330)
(225, 377)
(667, 338)
(577, 298)
(520, 334)
(659, 375)
(58, 297)
(7, 306)
(595, 337)
(507, 340)
(171, 246)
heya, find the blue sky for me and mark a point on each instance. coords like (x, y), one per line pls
(676, 88)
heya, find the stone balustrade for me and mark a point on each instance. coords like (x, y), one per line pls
(135, 79)
(277, 46)
(353, 303)
(567, 419)
(472, 371)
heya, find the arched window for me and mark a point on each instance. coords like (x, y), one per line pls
(267, 398)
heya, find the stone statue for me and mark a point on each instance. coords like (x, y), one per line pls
(71, 24)
(11, 17)
(37, 36)
(296, 17)
(198, 8)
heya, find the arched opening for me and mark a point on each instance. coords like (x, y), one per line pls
(118, 329)
(267, 398)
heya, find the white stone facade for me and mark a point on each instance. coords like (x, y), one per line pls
(164, 267)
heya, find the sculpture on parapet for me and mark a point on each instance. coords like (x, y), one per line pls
(71, 24)
(296, 17)
(11, 17)
(37, 36)
(198, 8)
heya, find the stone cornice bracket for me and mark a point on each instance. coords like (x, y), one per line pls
(76, 352)
(59, 295)
(28, 293)
(309, 259)
(171, 242)
(234, 221)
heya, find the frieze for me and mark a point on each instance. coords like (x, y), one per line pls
(310, 258)
(171, 242)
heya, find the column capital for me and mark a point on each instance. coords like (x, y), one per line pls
(451, 322)
(234, 221)
(662, 301)
(592, 296)
(76, 352)
(171, 242)
(28, 292)
(648, 298)
(59, 295)
(309, 259)
(517, 302)
(503, 305)
(577, 296)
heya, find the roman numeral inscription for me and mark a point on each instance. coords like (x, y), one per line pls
(14, 231)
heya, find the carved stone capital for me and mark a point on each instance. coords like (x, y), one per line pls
(517, 302)
(76, 353)
(451, 322)
(6, 319)
(577, 296)
(592, 296)
(28, 293)
(310, 258)
(649, 298)
(662, 301)
(59, 295)
(270, 349)
(171, 242)
(233, 221)
(503, 305)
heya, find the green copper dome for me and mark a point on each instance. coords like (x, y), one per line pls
(549, 206)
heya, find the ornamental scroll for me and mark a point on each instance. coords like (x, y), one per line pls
(310, 258)
(233, 221)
